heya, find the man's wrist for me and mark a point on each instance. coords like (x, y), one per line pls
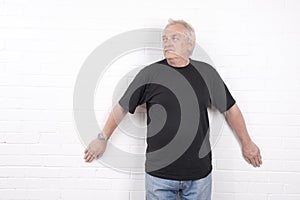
(246, 142)
(101, 136)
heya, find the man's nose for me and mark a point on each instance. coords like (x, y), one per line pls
(168, 43)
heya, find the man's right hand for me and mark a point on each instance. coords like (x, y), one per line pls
(97, 147)
(95, 150)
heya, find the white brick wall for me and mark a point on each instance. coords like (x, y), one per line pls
(254, 45)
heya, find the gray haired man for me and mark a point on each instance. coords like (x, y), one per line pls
(177, 91)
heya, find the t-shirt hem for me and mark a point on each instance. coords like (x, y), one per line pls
(230, 105)
(193, 176)
(126, 108)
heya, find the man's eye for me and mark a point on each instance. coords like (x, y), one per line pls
(175, 39)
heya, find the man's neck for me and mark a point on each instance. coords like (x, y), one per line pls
(178, 62)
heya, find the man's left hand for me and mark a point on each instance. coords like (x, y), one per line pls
(252, 154)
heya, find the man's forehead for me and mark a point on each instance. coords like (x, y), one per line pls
(174, 29)
(168, 32)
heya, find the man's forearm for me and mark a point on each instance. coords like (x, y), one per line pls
(251, 152)
(236, 121)
(115, 117)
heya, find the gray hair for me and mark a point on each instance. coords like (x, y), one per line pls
(189, 30)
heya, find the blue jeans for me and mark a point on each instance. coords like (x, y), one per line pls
(165, 189)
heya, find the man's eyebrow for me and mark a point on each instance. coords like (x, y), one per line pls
(174, 34)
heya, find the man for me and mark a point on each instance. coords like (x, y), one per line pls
(177, 92)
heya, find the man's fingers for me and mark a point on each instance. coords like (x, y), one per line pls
(89, 158)
(248, 160)
(252, 162)
(255, 161)
(258, 160)
(86, 155)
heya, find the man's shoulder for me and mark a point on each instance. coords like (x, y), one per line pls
(157, 63)
(153, 66)
(202, 65)
(147, 72)
(207, 71)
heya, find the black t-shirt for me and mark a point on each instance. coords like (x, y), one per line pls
(177, 99)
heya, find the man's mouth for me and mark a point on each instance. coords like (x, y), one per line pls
(169, 50)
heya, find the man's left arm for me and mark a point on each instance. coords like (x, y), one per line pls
(236, 121)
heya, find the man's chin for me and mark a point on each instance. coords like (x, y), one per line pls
(170, 55)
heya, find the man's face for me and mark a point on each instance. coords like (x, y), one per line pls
(175, 43)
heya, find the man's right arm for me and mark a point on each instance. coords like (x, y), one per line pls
(115, 117)
(97, 147)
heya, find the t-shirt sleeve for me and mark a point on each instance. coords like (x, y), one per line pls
(220, 96)
(135, 94)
